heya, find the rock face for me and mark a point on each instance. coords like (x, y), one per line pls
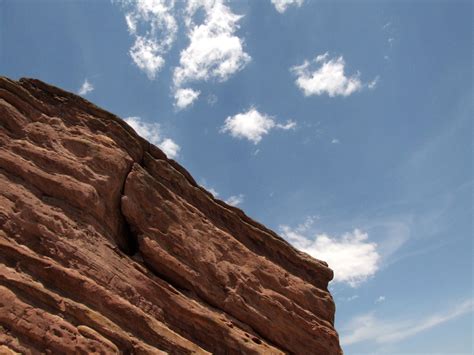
(107, 246)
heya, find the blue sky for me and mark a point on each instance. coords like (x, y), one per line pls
(345, 126)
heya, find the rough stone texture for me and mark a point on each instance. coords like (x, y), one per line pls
(106, 246)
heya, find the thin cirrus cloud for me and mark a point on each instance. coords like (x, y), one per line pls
(369, 328)
(85, 88)
(282, 5)
(154, 27)
(324, 75)
(353, 257)
(152, 133)
(253, 125)
(214, 51)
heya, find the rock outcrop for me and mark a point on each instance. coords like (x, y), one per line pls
(107, 246)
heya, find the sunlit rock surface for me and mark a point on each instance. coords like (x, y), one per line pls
(107, 246)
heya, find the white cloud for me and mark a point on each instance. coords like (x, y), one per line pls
(290, 124)
(380, 299)
(328, 78)
(86, 88)
(152, 133)
(185, 97)
(145, 55)
(253, 125)
(212, 191)
(373, 84)
(154, 27)
(368, 328)
(235, 200)
(352, 257)
(170, 148)
(282, 5)
(209, 189)
(335, 141)
(214, 51)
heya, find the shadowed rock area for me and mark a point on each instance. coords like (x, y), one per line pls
(107, 246)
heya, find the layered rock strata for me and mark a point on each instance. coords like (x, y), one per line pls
(107, 246)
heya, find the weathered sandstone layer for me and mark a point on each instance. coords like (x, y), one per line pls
(107, 246)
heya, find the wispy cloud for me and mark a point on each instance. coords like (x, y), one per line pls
(352, 256)
(235, 200)
(211, 99)
(152, 133)
(369, 328)
(352, 298)
(85, 88)
(253, 125)
(154, 27)
(380, 299)
(282, 5)
(210, 189)
(373, 84)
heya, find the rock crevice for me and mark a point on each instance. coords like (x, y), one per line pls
(108, 246)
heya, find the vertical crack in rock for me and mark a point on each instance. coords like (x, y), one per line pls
(127, 233)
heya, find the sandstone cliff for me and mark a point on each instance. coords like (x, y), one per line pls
(107, 246)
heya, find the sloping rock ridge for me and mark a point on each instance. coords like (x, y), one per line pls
(107, 246)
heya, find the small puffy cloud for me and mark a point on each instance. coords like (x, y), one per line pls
(368, 328)
(252, 125)
(380, 299)
(170, 148)
(235, 200)
(214, 51)
(326, 75)
(282, 5)
(154, 27)
(85, 88)
(335, 141)
(152, 133)
(185, 98)
(352, 256)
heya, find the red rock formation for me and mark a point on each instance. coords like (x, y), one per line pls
(107, 246)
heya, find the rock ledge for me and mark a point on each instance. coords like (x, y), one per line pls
(107, 246)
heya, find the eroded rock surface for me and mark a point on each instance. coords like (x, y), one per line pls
(107, 246)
